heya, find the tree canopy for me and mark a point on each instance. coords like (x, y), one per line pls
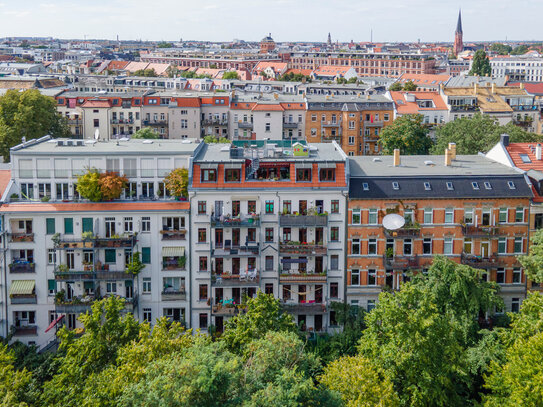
(533, 262)
(230, 75)
(501, 49)
(294, 77)
(145, 133)
(177, 182)
(407, 133)
(151, 73)
(481, 64)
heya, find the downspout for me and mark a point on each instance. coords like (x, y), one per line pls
(5, 279)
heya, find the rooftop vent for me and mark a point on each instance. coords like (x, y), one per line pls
(147, 141)
(429, 163)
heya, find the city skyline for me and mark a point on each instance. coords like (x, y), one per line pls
(391, 21)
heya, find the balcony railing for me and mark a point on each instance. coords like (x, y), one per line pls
(23, 299)
(406, 231)
(302, 278)
(175, 263)
(235, 222)
(245, 125)
(229, 280)
(290, 125)
(480, 262)
(401, 262)
(25, 330)
(72, 308)
(250, 250)
(17, 267)
(332, 123)
(91, 273)
(75, 122)
(464, 108)
(375, 123)
(125, 241)
(161, 122)
(223, 310)
(173, 234)
(215, 122)
(303, 220)
(481, 231)
(122, 121)
(22, 237)
(308, 307)
(172, 295)
(302, 248)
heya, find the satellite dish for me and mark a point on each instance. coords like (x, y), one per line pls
(393, 221)
(96, 134)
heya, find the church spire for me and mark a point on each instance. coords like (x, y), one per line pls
(459, 24)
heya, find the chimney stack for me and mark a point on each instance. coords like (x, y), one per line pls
(447, 158)
(396, 157)
(504, 138)
(538, 152)
(521, 85)
(475, 89)
(493, 87)
(452, 148)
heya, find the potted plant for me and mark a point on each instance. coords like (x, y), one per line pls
(181, 262)
(62, 268)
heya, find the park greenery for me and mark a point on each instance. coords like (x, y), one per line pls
(427, 344)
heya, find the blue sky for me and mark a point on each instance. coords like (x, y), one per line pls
(294, 20)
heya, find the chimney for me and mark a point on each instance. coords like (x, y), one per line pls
(275, 96)
(538, 152)
(452, 148)
(493, 87)
(521, 85)
(475, 89)
(448, 158)
(397, 157)
(504, 138)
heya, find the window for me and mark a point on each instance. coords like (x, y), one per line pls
(502, 245)
(372, 217)
(128, 225)
(519, 215)
(209, 175)
(202, 235)
(269, 235)
(202, 263)
(202, 292)
(146, 285)
(371, 305)
(303, 174)
(488, 185)
(427, 186)
(450, 186)
(147, 315)
(468, 246)
(232, 175)
(351, 140)
(468, 216)
(68, 226)
(427, 245)
(96, 122)
(511, 185)
(251, 206)
(334, 262)
(448, 245)
(268, 127)
(201, 207)
(269, 263)
(51, 256)
(372, 246)
(110, 255)
(372, 277)
(517, 275)
(334, 234)
(395, 186)
(146, 255)
(50, 226)
(111, 287)
(327, 174)
(269, 207)
(355, 246)
(335, 206)
(515, 304)
(251, 235)
(407, 247)
(334, 290)
(355, 277)
(428, 216)
(518, 245)
(503, 215)
(51, 287)
(475, 185)
(365, 186)
(268, 288)
(449, 215)
(202, 320)
(356, 217)
(500, 276)
(146, 224)
(236, 208)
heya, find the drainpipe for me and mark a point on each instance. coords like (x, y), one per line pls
(190, 264)
(5, 282)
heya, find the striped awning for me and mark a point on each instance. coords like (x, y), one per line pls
(22, 287)
(209, 166)
(175, 251)
(303, 166)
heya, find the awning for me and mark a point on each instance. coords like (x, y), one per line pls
(232, 166)
(175, 251)
(52, 324)
(327, 165)
(22, 287)
(289, 261)
(209, 166)
(272, 164)
(302, 166)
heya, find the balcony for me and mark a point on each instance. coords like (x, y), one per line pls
(253, 250)
(401, 262)
(245, 125)
(302, 248)
(173, 295)
(215, 122)
(333, 123)
(235, 222)
(168, 234)
(235, 280)
(302, 278)
(481, 231)
(122, 121)
(329, 139)
(406, 231)
(116, 241)
(527, 122)
(290, 125)
(375, 123)
(74, 122)
(21, 237)
(174, 263)
(162, 122)
(480, 262)
(224, 310)
(23, 299)
(25, 330)
(523, 108)
(308, 307)
(90, 272)
(303, 220)
(72, 308)
(464, 108)
(125, 241)
(22, 267)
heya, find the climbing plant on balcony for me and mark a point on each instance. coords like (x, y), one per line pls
(135, 266)
(177, 182)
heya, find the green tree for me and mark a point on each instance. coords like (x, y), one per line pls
(230, 75)
(150, 73)
(145, 133)
(395, 87)
(480, 65)
(520, 50)
(409, 86)
(88, 185)
(407, 133)
(501, 49)
(13, 383)
(213, 139)
(177, 182)
(533, 262)
(28, 114)
(263, 314)
(164, 45)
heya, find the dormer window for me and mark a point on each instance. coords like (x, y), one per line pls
(450, 186)
(475, 185)
(395, 186)
(511, 185)
(427, 186)
(365, 186)
(488, 185)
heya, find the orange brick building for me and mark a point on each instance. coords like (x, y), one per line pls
(469, 209)
(354, 122)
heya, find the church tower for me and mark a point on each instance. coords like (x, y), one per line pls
(329, 40)
(458, 34)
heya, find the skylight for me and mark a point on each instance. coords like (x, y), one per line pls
(525, 158)
(427, 186)
(511, 185)
(395, 185)
(487, 185)
(475, 185)
(365, 186)
(450, 186)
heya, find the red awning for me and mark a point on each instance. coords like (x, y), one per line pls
(52, 324)
(273, 165)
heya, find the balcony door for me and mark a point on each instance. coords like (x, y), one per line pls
(110, 227)
(485, 249)
(303, 207)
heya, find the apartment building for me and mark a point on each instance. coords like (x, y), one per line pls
(62, 252)
(268, 217)
(354, 122)
(519, 68)
(470, 209)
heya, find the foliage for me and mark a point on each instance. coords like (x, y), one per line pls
(135, 265)
(409, 86)
(478, 134)
(150, 73)
(520, 50)
(354, 79)
(481, 64)
(407, 133)
(213, 139)
(230, 75)
(145, 133)
(88, 185)
(396, 87)
(28, 114)
(164, 45)
(533, 262)
(112, 185)
(263, 314)
(13, 383)
(359, 382)
(294, 77)
(501, 49)
(177, 182)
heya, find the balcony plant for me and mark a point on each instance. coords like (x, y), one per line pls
(181, 261)
(56, 239)
(96, 186)
(177, 182)
(135, 265)
(87, 236)
(60, 297)
(63, 268)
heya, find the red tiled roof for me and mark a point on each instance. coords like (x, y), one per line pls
(117, 65)
(305, 72)
(424, 79)
(97, 103)
(293, 106)
(99, 206)
(516, 149)
(5, 177)
(532, 88)
(276, 66)
(242, 105)
(188, 102)
(331, 70)
(266, 107)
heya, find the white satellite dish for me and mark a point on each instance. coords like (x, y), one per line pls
(96, 134)
(393, 221)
